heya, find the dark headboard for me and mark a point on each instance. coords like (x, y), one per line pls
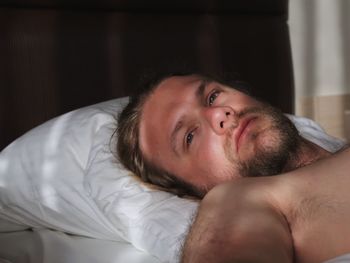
(56, 56)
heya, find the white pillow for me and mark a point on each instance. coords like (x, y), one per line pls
(62, 175)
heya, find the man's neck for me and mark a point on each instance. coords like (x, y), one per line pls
(306, 153)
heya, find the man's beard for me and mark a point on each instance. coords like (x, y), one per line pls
(270, 159)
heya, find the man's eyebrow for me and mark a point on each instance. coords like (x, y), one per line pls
(173, 136)
(200, 89)
(199, 94)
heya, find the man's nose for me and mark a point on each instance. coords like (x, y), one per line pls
(221, 118)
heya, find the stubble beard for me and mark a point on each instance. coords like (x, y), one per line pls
(272, 153)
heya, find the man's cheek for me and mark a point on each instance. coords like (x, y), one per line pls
(260, 140)
(268, 140)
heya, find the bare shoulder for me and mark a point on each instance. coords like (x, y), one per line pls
(236, 222)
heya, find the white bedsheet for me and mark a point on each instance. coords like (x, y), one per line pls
(341, 259)
(47, 246)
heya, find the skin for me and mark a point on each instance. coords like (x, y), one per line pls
(216, 131)
(301, 216)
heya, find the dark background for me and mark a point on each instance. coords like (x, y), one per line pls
(56, 56)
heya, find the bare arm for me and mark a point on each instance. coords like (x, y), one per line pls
(236, 223)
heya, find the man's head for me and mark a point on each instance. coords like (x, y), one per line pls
(192, 133)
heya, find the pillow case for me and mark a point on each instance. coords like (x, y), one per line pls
(62, 175)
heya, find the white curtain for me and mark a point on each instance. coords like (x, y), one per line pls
(320, 37)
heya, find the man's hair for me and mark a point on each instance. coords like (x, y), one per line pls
(128, 145)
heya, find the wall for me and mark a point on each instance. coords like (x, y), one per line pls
(320, 37)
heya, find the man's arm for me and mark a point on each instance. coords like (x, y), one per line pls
(237, 223)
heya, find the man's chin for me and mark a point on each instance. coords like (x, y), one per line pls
(268, 157)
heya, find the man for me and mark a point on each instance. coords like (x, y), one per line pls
(191, 133)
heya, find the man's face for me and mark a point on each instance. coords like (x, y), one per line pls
(207, 133)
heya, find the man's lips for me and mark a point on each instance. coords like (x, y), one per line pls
(241, 130)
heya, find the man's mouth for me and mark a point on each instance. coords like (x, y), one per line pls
(242, 130)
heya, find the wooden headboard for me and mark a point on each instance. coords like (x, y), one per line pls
(59, 55)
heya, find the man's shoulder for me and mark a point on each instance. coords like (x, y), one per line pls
(236, 218)
(248, 198)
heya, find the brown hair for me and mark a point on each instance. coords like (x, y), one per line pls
(128, 146)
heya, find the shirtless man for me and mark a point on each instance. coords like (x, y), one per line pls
(191, 133)
(301, 216)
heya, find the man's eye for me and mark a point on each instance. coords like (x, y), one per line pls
(189, 138)
(212, 96)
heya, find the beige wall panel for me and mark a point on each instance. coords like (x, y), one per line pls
(331, 112)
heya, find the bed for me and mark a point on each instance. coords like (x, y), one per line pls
(66, 70)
